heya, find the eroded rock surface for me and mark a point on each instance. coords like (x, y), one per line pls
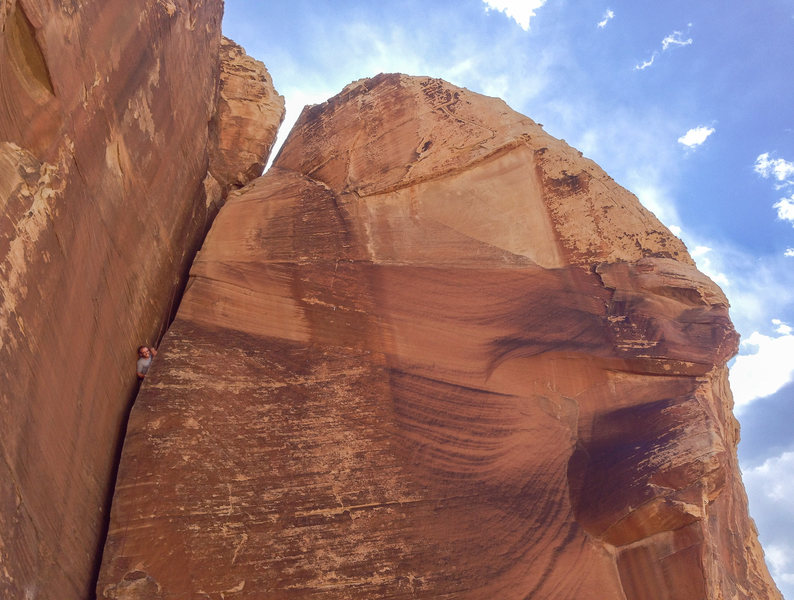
(104, 198)
(247, 118)
(435, 353)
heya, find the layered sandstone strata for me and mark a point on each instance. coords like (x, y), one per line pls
(435, 353)
(105, 197)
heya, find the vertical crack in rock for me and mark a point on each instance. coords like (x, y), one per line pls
(105, 198)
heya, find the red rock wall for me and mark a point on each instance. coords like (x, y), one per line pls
(435, 353)
(246, 121)
(104, 198)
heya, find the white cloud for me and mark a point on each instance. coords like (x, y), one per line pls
(777, 558)
(780, 169)
(675, 39)
(773, 479)
(770, 488)
(758, 289)
(785, 209)
(782, 327)
(521, 11)
(608, 16)
(789, 252)
(645, 64)
(764, 365)
(696, 136)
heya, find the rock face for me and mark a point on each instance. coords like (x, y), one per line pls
(247, 118)
(435, 353)
(105, 197)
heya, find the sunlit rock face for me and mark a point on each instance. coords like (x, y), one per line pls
(435, 353)
(104, 199)
(246, 120)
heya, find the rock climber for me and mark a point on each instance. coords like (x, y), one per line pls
(145, 356)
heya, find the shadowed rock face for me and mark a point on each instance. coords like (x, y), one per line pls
(435, 353)
(104, 199)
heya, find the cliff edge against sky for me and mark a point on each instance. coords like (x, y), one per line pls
(435, 353)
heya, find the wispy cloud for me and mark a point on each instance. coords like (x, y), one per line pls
(675, 39)
(608, 16)
(701, 256)
(696, 136)
(521, 11)
(653, 195)
(789, 252)
(647, 63)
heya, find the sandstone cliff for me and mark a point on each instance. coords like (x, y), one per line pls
(105, 197)
(435, 353)
(246, 121)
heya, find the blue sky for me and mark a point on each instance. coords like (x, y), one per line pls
(686, 104)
